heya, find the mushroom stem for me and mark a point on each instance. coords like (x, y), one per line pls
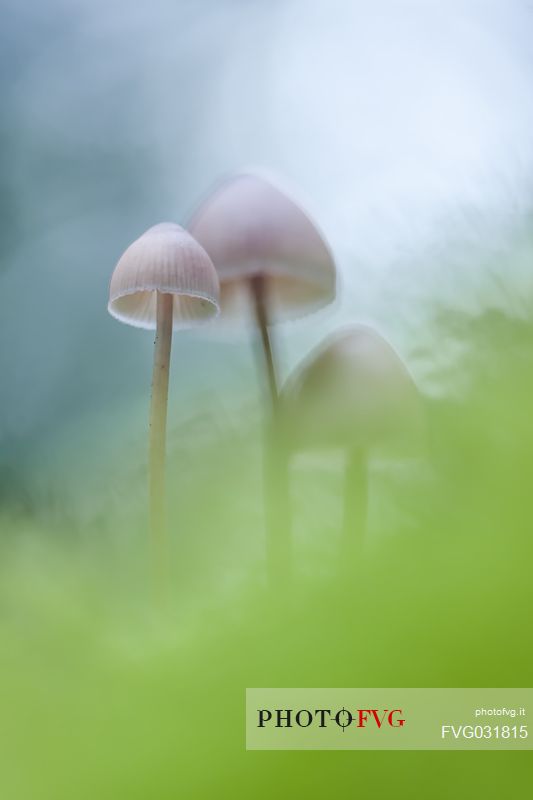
(258, 289)
(276, 479)
(277, 511)
(355, 506)
(158, 425)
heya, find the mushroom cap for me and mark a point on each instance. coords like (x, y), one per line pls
(166, 259)
(353, 391)
(251, 227)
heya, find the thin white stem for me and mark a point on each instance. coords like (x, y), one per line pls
(158, 426)
(275, 475)
(259, 295)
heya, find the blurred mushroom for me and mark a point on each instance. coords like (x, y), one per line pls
(270, 257)
(273, 265)
(164, 280)
(353, 393)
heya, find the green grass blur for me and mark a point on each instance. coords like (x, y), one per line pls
(103, 695)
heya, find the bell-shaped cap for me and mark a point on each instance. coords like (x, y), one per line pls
(353, 391)
(164, 259)
(251, 227)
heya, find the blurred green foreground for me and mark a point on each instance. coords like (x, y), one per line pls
(105, 696)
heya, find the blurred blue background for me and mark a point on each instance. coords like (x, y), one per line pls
(405, 126)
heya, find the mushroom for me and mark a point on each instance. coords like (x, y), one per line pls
(164, 280)
(272, 261)
(270, 256)
(352, 393)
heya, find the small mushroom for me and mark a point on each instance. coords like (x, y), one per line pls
(164, 280)
(353, 393)
(272, 261)
(270, 257)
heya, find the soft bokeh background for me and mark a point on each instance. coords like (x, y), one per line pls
(407, 129)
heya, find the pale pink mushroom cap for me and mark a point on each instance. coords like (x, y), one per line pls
(250, 227)
(353, 391)
(166, 259)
